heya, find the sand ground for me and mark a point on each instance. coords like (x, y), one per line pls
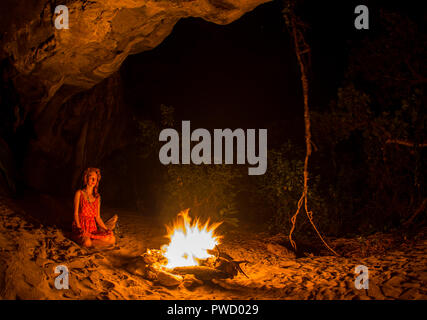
(29, 255)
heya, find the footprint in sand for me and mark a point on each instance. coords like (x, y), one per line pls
(130, 283)
(88, 283)
(103, 296)
(90, 264)
(121, 276)
(107, 285)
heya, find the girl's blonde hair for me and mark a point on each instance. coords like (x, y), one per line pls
(86, 175)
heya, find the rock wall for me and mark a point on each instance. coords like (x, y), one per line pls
(52, 67)
(84, 130)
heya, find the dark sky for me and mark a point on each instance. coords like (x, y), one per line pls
(244, 74)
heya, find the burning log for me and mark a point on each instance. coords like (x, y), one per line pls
(168, 279)
(227, 264)
(140, 267)
(192, 256)
(217, 268)
(202, 273)
(230, 266)
(151, 266)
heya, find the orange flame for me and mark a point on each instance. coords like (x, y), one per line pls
(189, 241)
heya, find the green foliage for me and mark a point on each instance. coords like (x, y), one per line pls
(282, 186)
(148, 137)
(208, 190)
(149, 130)
(167, 116)
(376, 184)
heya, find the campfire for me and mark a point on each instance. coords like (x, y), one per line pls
(191, 256)
(190, 242)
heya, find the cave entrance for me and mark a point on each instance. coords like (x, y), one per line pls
(218, 76)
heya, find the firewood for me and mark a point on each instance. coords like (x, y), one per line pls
(231, 267)
(168, 279)
(137, 266)
(226, 263)
(191, 281)
(202, 273)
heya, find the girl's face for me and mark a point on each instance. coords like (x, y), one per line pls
(93, 178)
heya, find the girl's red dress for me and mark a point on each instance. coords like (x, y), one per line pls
(87, 213)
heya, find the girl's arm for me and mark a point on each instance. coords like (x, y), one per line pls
(98, 216)
(76, 209)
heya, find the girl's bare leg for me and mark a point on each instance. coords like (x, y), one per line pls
(103, 243)
(87, 242)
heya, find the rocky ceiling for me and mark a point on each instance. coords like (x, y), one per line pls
(101, 35)
(50, 66)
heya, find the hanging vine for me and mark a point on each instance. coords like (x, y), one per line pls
(302, 50)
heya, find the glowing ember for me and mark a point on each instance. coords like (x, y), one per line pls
(189, 241)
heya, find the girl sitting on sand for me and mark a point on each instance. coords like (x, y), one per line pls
(87, 204)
